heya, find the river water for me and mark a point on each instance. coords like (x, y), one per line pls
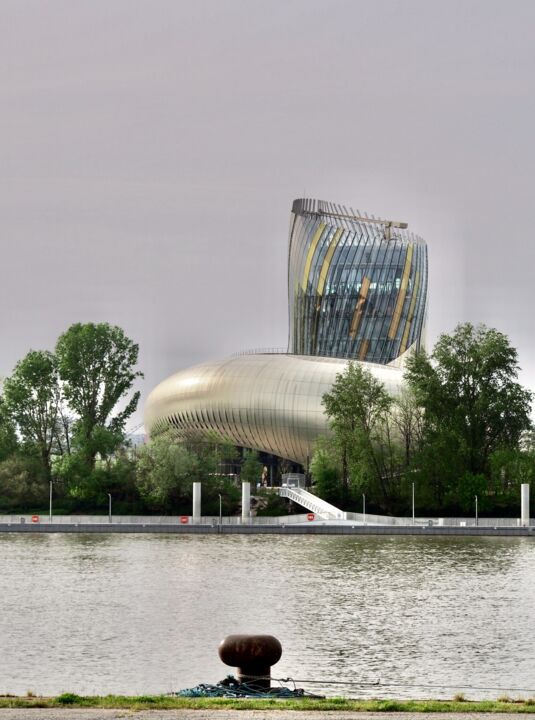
(138, 614)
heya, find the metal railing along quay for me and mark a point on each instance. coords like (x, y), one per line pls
(370, 519)
(151, 520)
(347, 518)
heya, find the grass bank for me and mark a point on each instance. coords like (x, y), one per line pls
(165, 702)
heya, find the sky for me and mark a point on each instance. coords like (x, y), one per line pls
(150, 152)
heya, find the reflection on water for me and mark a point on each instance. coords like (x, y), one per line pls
(144, 614)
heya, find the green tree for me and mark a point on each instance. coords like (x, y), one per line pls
(251, 469)
(8, 433)
(359, 409)
(326, 470)
(163, 475)
(23, 485)
(166, 470)
(408, 418)
(270, 504)
(80, 489)
(32, 397)
(96, 364)
(473, 407)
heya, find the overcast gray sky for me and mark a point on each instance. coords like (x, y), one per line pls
(150, 152)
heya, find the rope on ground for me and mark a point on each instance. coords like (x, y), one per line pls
(232, 688)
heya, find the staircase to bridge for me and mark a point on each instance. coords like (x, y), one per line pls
(312, 502)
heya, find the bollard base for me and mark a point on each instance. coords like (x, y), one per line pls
(258, 677)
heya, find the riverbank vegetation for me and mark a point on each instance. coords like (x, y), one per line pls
(460, 428)
(169, 702)
(62, 422)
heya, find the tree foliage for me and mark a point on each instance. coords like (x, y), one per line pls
(325, 468)
(474, 407)
(32, 397)
(251, 469)
(166, 470)
(96, 364)
(162, 474)
(23, 485)
(8, 432)
(455, 430)
(359, 411)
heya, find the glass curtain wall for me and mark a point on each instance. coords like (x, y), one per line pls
(357, 285)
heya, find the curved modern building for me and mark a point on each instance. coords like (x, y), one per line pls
(269, 402)
(357, 290)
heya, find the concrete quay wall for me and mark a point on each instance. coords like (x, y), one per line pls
(309, 529)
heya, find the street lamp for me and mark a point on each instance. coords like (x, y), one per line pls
(50, 503)
(109, 507)
(476, 510)
(413, 503)
(364, 508)
(220, 511)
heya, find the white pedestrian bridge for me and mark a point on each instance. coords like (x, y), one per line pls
(309, 501)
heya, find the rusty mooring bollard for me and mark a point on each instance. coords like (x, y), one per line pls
(253, 655)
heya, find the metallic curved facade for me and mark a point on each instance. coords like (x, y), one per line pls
(357, 290)
(270, 403)
(357, 285)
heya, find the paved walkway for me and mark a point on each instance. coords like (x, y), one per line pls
(94, 714)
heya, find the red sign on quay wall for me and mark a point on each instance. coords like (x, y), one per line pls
(184, 519)
(35, 518)
(310, 516)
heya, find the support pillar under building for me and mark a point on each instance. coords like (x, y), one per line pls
(196, 512)
(524, 504)
(245, 501)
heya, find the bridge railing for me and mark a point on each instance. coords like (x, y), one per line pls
(262, 351)
(294, 480)
(312, 502)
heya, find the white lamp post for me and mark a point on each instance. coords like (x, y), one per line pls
(50, 503)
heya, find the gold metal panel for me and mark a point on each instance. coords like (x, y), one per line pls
(359, 308)
(364, 349)
(272, 403)
(310, 254)
(327, 261)
(396, 317)
(410, 316)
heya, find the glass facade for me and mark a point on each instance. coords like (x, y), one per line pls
(357, 285)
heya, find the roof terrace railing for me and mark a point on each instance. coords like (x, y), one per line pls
(263, 351)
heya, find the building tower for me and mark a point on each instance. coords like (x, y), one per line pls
(357, 285)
